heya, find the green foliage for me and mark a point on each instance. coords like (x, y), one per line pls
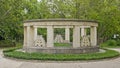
(60, 57)
(118, 42)
(111, 43)
(62, 45)
(6, 43)
(11, 19)
(43, 32)
(14, 12)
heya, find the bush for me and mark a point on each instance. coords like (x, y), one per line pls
(111, 43)
(6, 43)
(118, 42)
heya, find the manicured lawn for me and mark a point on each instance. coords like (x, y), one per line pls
(60, 57)
(62, 45)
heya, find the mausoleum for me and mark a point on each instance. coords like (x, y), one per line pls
(84, 37)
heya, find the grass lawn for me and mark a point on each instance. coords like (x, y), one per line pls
(11, 52)
(59, 57)
(62, 45)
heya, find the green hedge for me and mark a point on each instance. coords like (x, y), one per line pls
(111, 43)
(60, 57)
(7, 43)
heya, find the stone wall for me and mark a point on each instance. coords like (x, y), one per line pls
(63, 50)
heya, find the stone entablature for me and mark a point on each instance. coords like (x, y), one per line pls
(60, 22)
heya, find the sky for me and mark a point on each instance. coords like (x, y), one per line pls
(38, 0)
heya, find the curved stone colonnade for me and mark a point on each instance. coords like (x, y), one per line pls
(84, 45)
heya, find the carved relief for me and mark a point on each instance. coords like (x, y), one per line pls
(58, 39)
(40, 42)
(85, 41)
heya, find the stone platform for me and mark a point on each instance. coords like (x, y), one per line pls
(63, 50)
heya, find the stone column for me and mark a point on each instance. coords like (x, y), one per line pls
(82, 31)
(85, 31)
(76, 36)
(50, 36)
(28, 36)
(67, 34)
(25, 37)
(93, 36)
(35, 33)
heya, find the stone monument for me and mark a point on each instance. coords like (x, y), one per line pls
(81, 42)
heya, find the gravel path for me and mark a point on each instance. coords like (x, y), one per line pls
(10, 63)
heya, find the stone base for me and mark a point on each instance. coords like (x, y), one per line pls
(63, 50)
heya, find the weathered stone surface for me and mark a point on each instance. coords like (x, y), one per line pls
(64, 50)
(76, 36)
(31, 39)
(40, 42)
(50, 36)
(61, 22)
(85, 41)
(67, 35)
(58, 39)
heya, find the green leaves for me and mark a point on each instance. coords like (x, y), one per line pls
(14, 12)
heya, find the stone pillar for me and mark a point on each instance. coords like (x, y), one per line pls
(28, 36)
(83, 32)
(76, 36)
(50, 36)
(35, 33)
(31, 38)
(67, 34)
(93, 36)
(25, 37)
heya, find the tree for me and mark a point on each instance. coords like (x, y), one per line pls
(14, 12)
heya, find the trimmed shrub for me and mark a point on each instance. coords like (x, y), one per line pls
(111, 43)
(118, 42)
